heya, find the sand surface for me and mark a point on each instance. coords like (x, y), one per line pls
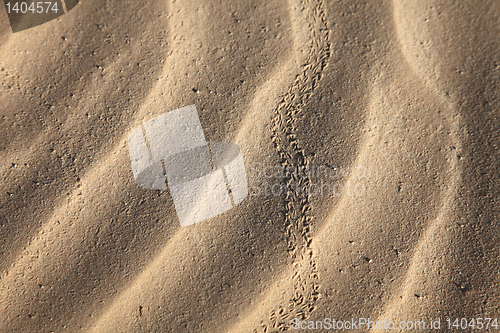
(395, 104)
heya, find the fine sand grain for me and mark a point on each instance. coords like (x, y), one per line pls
(395, 104)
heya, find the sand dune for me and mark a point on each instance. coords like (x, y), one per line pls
(393, 105)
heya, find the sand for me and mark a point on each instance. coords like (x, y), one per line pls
(394, 104)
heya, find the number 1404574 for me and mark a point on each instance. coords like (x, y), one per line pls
(33, 7)
(472, 324)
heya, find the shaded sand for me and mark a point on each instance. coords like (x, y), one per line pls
(399, 99)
